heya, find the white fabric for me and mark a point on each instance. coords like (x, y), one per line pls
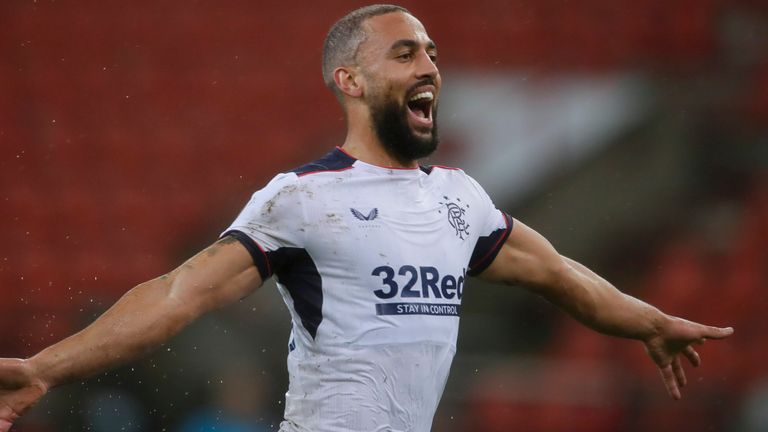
(376, 362)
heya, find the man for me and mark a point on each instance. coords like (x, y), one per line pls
(371, 253)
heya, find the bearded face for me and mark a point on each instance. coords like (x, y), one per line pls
(406, 124)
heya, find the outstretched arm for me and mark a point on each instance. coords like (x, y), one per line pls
(528, 259)
(145, 317)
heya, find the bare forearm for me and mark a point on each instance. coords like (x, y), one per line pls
(598, 304)
(527, 259)
(142, 319)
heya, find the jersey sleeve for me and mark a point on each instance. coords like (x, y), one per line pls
(271, 221)
(495, 226)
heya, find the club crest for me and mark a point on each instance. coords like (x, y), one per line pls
(455, 212)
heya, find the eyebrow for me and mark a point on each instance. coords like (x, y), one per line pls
(410, 43)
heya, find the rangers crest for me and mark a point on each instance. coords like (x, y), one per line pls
(455, 212)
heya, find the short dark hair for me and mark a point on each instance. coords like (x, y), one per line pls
(344, 39)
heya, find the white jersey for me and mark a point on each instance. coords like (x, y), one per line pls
(372, 263)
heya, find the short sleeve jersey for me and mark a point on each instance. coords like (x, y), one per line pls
(372, 263)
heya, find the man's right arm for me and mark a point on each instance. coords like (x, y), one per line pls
(144, 318)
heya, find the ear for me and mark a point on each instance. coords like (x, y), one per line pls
(349, 81)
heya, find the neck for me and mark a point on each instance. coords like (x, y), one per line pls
(363, 144)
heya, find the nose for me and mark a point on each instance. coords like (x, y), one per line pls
(425, 67)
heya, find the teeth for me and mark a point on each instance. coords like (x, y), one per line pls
(423, 95)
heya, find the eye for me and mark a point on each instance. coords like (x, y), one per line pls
(433, 57)
(405, 56)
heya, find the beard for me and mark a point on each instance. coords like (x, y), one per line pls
(390, 122)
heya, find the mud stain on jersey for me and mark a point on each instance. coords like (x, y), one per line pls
(270, 204)
(287, 190)
(334, 222)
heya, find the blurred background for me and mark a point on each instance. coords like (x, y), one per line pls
(634, 135)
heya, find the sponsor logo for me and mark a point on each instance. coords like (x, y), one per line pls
(424, 282)
(455, 212)
(439, 309)
(373, 214)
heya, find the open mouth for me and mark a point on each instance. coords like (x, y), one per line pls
(420, 108)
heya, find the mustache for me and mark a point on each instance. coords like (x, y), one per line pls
(423, 82)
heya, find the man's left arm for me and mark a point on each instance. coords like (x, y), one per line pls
(529, 260)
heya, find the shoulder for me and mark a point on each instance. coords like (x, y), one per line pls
(334, 161)
(456, 176)
(288, 187)
(287, 181)
(278, 198)
(280, 184)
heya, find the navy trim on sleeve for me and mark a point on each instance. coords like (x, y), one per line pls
(257, 253)
(488, 247)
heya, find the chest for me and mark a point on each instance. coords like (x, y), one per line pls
(420, 224)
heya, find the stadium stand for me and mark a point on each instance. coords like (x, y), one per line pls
(131, 133)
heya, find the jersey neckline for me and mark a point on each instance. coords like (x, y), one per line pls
(415, 171)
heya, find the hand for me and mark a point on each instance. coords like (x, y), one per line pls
(677, 336)
(20, 389)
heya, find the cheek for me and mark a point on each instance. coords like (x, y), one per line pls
(438, 81)
(384, 82)
(379, 86)
(372, 86)
(379, 93)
